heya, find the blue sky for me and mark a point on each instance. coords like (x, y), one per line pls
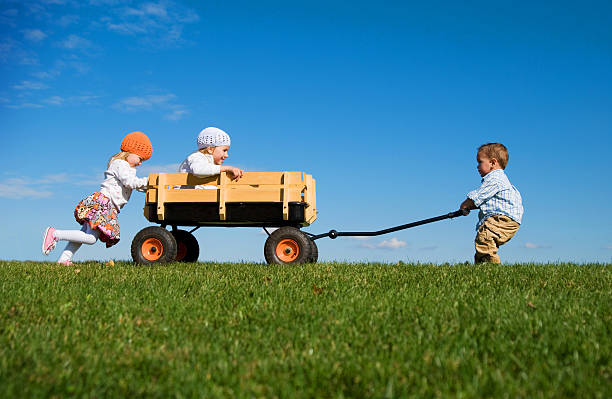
(384, 103)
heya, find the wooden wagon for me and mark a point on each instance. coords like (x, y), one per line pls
(282, 200)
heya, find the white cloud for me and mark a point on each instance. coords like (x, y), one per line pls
(126, 28)
(30, 85)
(27, 58)
(54, 100)
(48, 179)
(66, 20)
(45, 74)
(151, 102)
(26, 187)
(20, 192)
(105, 2)
(144, 102)
(84, 99)
(74, 42)
(87, 180)
(34, 35)
(176, 114)
(158, 22)
(24, 105)
(391, 244)
(35, 8)
(148, 9)
(14, 52)
(22, 187)
(59, 2)
(68, 61)
(80, 67)
(531, 245)
(51, 179)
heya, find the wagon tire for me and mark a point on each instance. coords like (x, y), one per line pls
(187, 247)
(153, 245)
(288, 245)
(314, 252)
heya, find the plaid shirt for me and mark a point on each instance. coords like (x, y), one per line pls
(496, 196)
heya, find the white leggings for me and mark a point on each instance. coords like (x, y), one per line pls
(77, 238)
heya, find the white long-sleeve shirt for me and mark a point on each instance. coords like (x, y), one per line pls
(119, 181)
(201, 165)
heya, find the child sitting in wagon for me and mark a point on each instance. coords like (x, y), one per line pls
(213, 146)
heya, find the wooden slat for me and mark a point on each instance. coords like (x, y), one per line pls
(284, 196)
(310, 197)
(151, 195)
(307, 195)
(262, 178)
(222, 195)
(232, 195)
(161, 195)
(249, 178)
(238, 195)
(289, 194)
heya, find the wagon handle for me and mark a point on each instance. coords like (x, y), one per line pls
(334, 234)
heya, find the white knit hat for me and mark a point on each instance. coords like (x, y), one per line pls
(212, 137)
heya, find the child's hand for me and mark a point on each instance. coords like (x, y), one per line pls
(235, 172)
(468, 204)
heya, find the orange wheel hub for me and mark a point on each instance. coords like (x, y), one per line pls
(152, 249)
(287, 250)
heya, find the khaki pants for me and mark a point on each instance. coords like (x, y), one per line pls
(495, 231)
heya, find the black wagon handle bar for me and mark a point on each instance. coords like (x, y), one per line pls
(334, 234)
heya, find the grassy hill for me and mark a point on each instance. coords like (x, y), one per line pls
(324, 330)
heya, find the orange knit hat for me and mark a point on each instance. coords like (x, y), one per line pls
(138, 143)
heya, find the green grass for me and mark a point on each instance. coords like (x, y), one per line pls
(324, 330)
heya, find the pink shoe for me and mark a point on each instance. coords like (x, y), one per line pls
(49, 242)
(66, 262)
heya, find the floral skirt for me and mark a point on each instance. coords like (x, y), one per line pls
(98, 210)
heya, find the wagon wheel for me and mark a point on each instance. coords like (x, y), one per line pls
(314, 252)
(288, 245)
(187, 248)
(153, 245)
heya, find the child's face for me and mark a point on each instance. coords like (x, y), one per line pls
(485, 165)
(134, 160)
(219, 154)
